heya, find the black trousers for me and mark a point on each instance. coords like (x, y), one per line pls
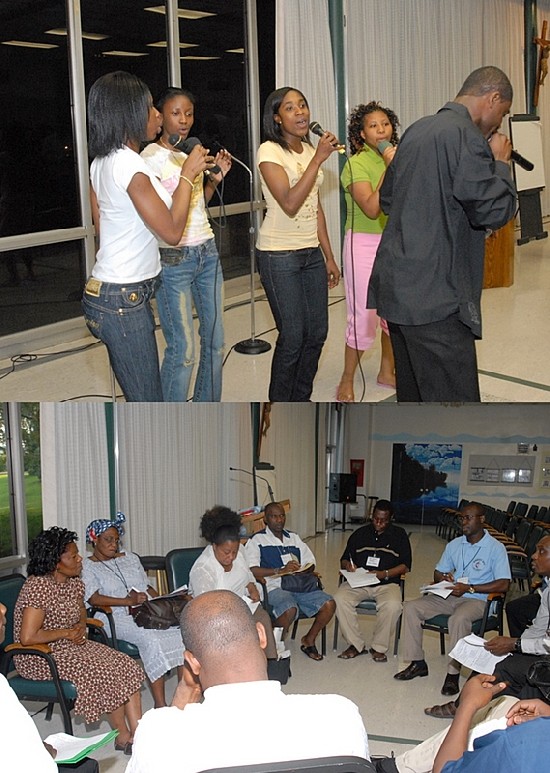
(435, 362)
(521, 612)
(513, 670)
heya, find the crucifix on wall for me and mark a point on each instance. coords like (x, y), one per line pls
(542, 69)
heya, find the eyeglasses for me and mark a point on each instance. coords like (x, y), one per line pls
(109, 540)
(467, 517)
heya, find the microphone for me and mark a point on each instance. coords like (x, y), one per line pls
(383, 145)
(255, 475)
(316, 128)
(187, 145)
(521, 161)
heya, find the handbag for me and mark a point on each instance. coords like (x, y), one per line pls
(159, 613)
(303, 582)
(539, 676)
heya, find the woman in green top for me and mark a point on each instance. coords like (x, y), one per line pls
(361, 179)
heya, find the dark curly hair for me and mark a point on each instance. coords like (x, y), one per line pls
(357, 118)
(46, 549)
(220, 524)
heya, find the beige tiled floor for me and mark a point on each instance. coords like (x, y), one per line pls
(392, 711)
(512, 356)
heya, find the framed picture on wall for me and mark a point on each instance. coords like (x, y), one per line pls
(357, 467)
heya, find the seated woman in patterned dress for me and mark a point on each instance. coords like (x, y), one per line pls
(117, 579)
(50, 610)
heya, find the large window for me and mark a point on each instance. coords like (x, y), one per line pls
(20, 486)
(45, 74)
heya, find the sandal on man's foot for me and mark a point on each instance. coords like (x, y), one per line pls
(378, 657)
(445, 711)
(124, 747)
(311, 651)
(351, 652)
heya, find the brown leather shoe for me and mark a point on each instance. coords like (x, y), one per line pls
(450, 685)
(418, 668)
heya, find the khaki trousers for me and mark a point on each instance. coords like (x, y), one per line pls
(388, 605)
(421, 758)
(462, 610)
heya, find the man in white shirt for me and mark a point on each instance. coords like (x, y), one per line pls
(225, 667)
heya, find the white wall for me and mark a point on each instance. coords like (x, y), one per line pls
(480, 429)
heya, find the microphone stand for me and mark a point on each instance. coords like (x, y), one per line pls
(251, 345)
(255, 488)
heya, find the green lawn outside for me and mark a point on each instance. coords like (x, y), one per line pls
(33, 497)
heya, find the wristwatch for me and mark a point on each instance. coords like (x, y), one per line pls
(517, 646)
(471, 589)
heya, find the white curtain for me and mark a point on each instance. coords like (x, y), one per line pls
(304, 60)
(75, 473)
(290, 445)
(173, 464)
(543, 7)
(413, 55)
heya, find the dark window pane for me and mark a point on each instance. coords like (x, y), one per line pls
(40, 285)
(37, 174)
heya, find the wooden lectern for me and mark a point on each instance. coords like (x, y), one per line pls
(499, 257)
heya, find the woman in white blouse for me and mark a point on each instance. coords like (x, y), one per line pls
(223, 566)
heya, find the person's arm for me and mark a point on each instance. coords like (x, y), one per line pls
(168, 224)
(95, 212)
(476, 693)
(291, 199)
(333, 272)
(98, 599)
(367, 199)
(32, 631)
(253, 592)
(389, 574)
(523, 711)
(495, 586)
(223, 160)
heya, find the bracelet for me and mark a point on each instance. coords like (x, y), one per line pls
(387, 575)
(187, 180)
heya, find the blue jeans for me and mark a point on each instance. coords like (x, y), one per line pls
(191, 273)
(121, 317)
(296, 286)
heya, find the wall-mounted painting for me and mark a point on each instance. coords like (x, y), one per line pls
(425, 478)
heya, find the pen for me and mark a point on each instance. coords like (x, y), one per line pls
(351, 561)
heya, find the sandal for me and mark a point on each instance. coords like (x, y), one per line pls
(445, 711)
(124, 747)
(378, 657)
(351, 652)
(311, 651)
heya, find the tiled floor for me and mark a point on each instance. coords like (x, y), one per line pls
(512, 357)
(392, 711)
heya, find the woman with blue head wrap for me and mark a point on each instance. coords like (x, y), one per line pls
(116, 578)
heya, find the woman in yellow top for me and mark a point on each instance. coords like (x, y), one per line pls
(294, 255)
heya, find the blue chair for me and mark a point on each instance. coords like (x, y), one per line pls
(492, 620)
(178, 565)
(50, 691)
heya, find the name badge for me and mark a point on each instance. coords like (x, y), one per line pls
(373, 561)
(463, 580)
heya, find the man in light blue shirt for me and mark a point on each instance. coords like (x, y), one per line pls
(476, 564)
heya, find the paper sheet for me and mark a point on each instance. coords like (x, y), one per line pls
(471, 652)
(72, 749)
(443, 588)
(484, 728)
(360, 578)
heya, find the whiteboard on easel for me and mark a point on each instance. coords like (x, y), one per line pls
(526, 137)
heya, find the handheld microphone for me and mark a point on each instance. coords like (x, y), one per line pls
(521, 161)
(187, 145)
(383, 145)
(316, 128)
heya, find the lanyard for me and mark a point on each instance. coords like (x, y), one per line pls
(470, 561)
